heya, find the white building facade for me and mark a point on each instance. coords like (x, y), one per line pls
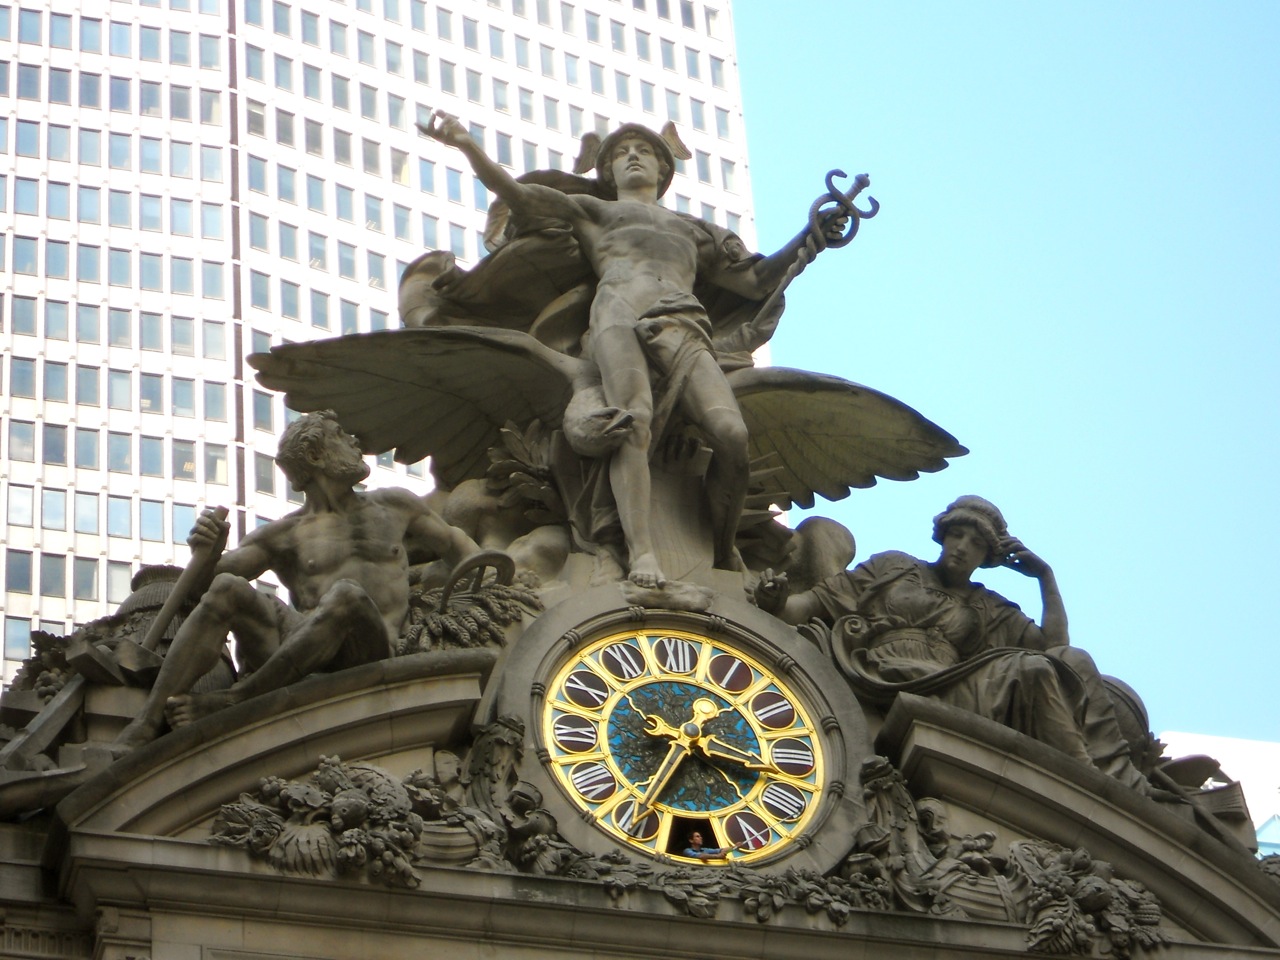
(186, 182)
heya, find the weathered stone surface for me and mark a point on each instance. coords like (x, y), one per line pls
(515, 749)
(135, 842)
(381, 709)
(344, 556)
(896, 625)
(1205, 881)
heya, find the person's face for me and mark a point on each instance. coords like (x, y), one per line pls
(695, 840)
(343, 459)
(635, 163)
(964, 549)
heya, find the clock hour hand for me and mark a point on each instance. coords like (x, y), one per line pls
(661, 777)
(689, 731)
(682, 739)
(655, 726)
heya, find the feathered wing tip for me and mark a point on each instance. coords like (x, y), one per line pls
(672, 138)
(587, 153)
(830, 435)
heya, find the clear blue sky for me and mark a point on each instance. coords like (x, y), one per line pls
(1076, 271)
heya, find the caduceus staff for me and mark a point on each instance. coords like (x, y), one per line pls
(825, 212)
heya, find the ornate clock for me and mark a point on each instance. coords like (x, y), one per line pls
(657, 732)
(650, 727)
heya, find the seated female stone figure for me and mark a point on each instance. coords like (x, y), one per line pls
(902, 624)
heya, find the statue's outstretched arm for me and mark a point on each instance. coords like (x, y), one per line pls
(252, 558)
(528, 199)
(773, 595)
(796, 254)
(833, 222)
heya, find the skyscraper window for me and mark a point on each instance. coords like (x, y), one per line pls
(306, 226)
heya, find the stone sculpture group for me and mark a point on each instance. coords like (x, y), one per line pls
(594, 421)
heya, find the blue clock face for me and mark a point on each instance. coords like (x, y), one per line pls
(656, 734)
(700, 784)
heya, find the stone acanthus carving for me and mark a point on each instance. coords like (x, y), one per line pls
(1077, 904)
(1070, 902)
(475, 811)
(345, 818)
(357, 818)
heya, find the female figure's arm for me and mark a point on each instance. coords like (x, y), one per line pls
(829, 599)
(1053, 621)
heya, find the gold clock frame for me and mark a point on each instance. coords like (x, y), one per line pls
(525, 681)
(612, 668)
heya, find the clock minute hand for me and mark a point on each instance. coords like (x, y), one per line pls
(717, 749)
(683, 739)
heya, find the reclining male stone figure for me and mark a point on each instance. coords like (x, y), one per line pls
(344, 556)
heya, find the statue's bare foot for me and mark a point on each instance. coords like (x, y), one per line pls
(645, 572)
(186, 709)
(137, 734)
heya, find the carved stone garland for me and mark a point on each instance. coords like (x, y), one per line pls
(357, 819)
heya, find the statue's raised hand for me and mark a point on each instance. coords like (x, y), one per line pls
(446, 128)
(211, 527)
(772, 590)
(1015, 556)
(833, 227)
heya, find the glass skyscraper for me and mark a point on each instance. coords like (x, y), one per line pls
(186, 182)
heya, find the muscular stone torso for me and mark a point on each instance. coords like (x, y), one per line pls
(365, 545)
(640, 253)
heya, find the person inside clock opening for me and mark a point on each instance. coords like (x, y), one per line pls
(697, 851)
(905, 625)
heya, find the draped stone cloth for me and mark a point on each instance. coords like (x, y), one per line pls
(898, 628)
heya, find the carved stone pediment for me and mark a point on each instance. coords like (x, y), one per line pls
(1206, 882)
(980, 841)
(175, 786)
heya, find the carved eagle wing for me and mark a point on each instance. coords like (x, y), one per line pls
(827, 434)
(444, 392)
(448, 391)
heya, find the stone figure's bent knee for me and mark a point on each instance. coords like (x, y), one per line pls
(358, 627)
(228, 594)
